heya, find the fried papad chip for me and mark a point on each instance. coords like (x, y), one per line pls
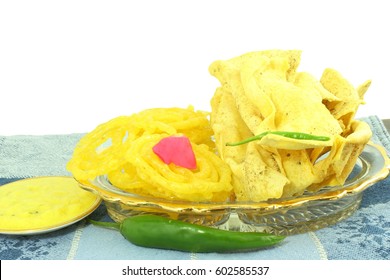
(266, 100)
(295, 164)
(308, 82)
(251, 113)
(293, 58)
(345, 109)
(261, 167)
(334, 169)
(239, 76)
(227, 125)
(262, 92)
(362, 89)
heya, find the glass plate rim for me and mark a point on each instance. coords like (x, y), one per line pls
(370, 152)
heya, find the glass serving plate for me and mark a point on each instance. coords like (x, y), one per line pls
(308, 212)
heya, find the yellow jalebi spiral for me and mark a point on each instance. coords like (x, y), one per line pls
(194, 124)
(210, 181)
(99, 151)
(115, 149)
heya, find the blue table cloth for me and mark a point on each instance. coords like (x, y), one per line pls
(364, 236)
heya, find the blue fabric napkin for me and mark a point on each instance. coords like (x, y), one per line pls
(365, 235)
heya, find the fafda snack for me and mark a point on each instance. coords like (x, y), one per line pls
(273, 132)
(263, 91)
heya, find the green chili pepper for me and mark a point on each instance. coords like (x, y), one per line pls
(159, 232)
(288, 134)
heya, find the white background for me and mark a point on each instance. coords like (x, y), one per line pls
(66, 66)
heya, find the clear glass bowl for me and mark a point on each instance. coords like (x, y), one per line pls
(308, 212)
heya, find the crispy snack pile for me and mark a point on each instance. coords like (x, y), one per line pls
(260, 92)
(263, 91)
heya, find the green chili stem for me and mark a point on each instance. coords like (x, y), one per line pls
(288, 134)
(106, 224)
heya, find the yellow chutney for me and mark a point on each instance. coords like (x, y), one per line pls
(43, 203)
